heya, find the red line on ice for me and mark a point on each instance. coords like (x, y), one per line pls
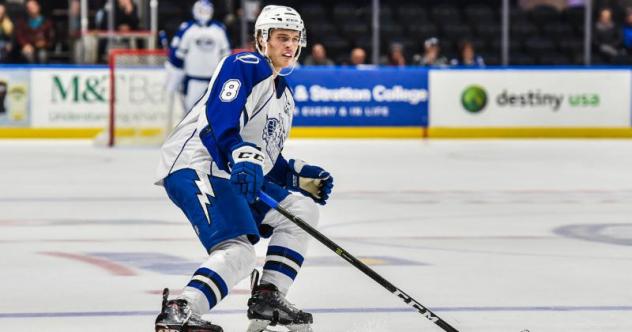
(113, 268)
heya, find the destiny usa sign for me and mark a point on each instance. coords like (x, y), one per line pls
(530, 98)
(343, 97)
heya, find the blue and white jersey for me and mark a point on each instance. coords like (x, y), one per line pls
(197, 49)
(243, 103)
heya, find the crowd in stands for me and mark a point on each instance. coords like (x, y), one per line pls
(431, 57)
(424, 33)
(126, 16)
(614, 41)
(45, 31)
(30, 37)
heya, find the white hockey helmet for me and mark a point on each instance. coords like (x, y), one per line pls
(203, 11)
(279, 17)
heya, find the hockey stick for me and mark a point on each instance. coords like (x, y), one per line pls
(357, 263)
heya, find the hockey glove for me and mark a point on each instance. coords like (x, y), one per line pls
(247, 172)
(311, 181)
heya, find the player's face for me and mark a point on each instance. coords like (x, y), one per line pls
(282, 47)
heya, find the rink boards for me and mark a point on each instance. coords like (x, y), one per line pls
(343, 102)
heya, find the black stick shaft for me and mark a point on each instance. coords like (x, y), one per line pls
(357, 263)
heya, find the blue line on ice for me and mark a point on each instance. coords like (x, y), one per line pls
(322, 311)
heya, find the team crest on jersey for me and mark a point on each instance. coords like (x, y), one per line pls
(248, 58)
(274, 136)
(205, 43)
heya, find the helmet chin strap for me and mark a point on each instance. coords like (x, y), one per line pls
(265, 54)
(298, 54)
(278, 72)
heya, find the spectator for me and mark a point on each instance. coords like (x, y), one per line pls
(395, 56)
(607, 36)
(74, 19)
(627, 31)
(6, 34)
(467, 56)
(432, 54)
(125, 16)
(358, 56)
(35, 34)
(74, 31)
(318, 57)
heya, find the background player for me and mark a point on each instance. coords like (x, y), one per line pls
(194, 53)
(212, 167)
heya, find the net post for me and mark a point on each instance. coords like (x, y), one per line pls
(112, 65)
(121, 61)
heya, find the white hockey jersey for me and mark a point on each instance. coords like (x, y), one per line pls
(243, 103)
(197, 49)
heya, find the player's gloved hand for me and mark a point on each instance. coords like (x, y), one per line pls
(311, 181)
(247, 172)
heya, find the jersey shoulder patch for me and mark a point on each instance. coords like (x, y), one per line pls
(251, 62)
(247, 58)
(241, 70)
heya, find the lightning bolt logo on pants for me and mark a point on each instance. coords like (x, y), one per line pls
(205, 190)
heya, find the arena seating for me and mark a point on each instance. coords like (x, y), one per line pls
(542, 35)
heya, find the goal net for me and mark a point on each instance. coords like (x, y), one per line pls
(141, 111)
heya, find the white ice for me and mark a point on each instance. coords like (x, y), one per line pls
(493, 235)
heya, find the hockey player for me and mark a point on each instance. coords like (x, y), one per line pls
(215, 162)
(195, 51)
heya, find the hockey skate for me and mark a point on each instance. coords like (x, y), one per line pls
(176, 316)
(268, 307)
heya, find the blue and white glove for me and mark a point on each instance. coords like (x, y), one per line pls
(246, 175)
(311, 181)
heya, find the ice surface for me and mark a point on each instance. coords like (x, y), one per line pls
(492, 235)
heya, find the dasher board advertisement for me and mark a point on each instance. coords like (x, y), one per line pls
(349, 97)
(14, 98)
(79, 98)
(530, 98)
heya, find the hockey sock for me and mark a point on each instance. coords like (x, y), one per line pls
(228, 263)
(288, 243)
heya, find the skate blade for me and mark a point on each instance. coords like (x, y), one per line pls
(259, 325)
(299, 328)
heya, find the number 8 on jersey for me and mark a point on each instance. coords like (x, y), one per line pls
(230, 90)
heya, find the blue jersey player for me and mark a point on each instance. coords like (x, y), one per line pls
(213, 165)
